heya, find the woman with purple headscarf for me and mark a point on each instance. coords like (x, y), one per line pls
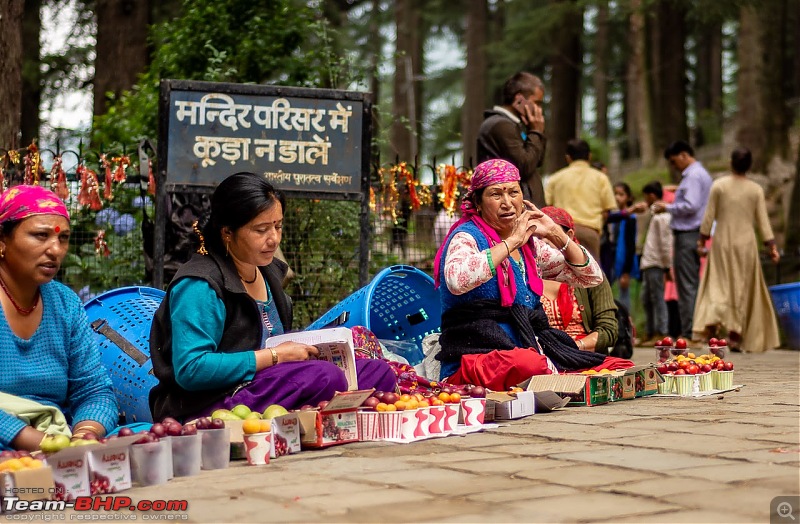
(51, 374)
(490, 270)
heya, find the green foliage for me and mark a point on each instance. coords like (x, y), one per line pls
(638, 179)
(279, 41)
(84, 266)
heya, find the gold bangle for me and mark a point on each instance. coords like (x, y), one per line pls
(85, 427)
(274, 356)
(507, 248)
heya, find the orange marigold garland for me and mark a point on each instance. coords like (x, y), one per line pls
(452, 180)
(58, 179)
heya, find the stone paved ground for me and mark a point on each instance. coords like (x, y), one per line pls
(715, 459)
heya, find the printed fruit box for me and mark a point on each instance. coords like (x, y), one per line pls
(110, 466)
(369, 427)
(647, 379)
(336, 424)
(26, 484)
(285, 438)
(582, 390)
(622, 387)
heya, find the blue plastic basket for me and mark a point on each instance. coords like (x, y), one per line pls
(399, 304)
(128, 312)
(786, 298)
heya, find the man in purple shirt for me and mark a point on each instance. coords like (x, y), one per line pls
(687, 213)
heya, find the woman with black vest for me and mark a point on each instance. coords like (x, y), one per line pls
(208, 336)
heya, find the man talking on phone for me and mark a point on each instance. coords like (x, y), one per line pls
(514, 132)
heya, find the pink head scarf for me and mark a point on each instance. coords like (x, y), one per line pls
(489, 173)
(20, 202)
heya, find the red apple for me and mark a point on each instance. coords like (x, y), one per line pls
(390, 397)
(680, 372)
(728, 366)
(217, 423)
(371, 402)
(693, 369)
(672, 366)
(706, 368)
(680, 343)
(663, 369)
(713, 342)
(189, 429)
(125, 432)
(722, 342)
(666, 341)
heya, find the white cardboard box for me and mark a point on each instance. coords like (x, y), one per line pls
(286, 428)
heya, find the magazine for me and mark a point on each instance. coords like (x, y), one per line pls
(335, 345)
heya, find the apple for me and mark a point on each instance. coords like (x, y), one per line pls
(379, 395)
(663, 369)
(323, 404)
(174, 429)
(713, 342)
(680, 343)
(306, 407)
(680, 372)
(672, 366)
(203, 423)
(666, 341)
(728, 366)
(693, 369)
(169, 420)
(722, 342)
(706, 368)
(189, 429)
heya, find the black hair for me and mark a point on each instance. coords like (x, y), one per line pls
(9, 226)
(477, 196)
(741, 160)
(598, 165)
(236, 201)
(654, 188)
(523, 83)
(625, 187)
(578, 149)
(678, 147)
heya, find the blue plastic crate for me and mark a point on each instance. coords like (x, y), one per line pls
(400, 303)
(129, 313)
(786, 298)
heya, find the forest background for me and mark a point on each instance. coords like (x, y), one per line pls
(627, 75)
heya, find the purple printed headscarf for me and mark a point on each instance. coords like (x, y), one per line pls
(489, 173)
(23, 201)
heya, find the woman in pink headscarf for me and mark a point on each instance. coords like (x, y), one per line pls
(489, 271)
(51, 375)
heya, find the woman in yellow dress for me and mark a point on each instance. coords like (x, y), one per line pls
(733, 294)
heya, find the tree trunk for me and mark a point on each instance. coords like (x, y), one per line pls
(474, 78)
(639, 93)
(708, 82)
(121, 49)
(417, 71)
(671, 104)
(566, 63)
(31, 74)
(376, 44)
(600, 76)
(401, 138)
(775, 79)
(750, 112)
(11, 66)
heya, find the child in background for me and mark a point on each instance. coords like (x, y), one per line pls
(623, 232)
(655, 266)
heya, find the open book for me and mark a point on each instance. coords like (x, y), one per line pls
(335, 345)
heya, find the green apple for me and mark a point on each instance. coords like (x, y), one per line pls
(241, 411)
(273, 411)
(253, 414)
(224, 414)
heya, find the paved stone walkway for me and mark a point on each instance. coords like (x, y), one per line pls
(716, 459)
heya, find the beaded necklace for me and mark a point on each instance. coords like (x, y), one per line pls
(21, 310)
